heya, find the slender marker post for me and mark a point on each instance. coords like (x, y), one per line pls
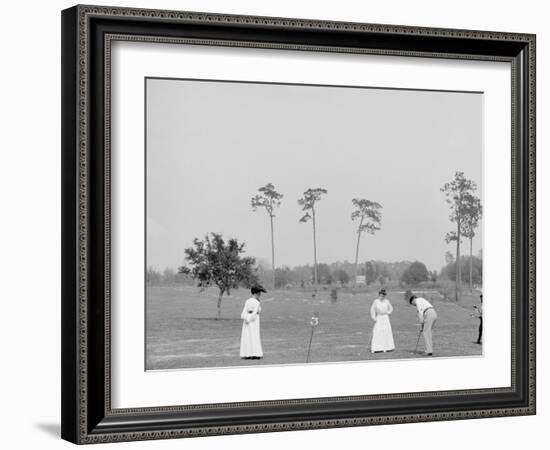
(313, 322)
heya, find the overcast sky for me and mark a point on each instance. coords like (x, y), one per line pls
(211, 145)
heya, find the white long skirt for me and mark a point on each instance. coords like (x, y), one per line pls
(251, 345)
(382, 337)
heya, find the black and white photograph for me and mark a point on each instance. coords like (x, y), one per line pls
(276, 223)
(307, 224)
(287, 224)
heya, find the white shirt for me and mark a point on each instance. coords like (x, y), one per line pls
(380, 307)
(251, 310)
(422, 305)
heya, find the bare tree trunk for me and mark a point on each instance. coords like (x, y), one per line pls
(458, 271)
(314, 250)
(356, 258)
(471, 271)
(272, 249)
(357, 252)
(219, 305)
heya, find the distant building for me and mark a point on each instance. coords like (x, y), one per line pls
(360, 280)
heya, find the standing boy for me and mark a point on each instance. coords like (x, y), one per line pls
(478, 312)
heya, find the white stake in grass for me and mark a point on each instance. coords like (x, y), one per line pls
(313, 322)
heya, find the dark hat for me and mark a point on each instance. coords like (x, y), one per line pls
(412, 298)
(257, 288)
(382, 292)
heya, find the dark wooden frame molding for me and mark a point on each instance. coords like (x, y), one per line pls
(87, 33)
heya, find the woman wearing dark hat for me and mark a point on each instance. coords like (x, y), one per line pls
(251, 345)
(382, 337)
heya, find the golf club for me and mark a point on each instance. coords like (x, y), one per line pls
(418, 340)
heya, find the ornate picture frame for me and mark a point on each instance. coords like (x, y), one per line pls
(88, 33)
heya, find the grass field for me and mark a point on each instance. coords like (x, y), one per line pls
(182, 331)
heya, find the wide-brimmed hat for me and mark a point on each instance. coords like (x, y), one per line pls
(257, 288)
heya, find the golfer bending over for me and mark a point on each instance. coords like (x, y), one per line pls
(427, 317)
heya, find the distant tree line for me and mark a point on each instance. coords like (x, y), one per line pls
(167, 277)
(405, 273)
(345, 273)
(471, 270)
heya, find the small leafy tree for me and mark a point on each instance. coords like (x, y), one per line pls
(432, 276)
(415, 274)
(457, 193)
(371, 272)
(369, 216)
(341, 276)
(269, 199)
(307, 202)
(212, 261)
(324, 274)
(333, 295)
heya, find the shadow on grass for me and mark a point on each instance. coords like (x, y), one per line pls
(415, 352)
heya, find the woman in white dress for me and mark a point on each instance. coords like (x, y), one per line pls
(382, 337)
(251, 345)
